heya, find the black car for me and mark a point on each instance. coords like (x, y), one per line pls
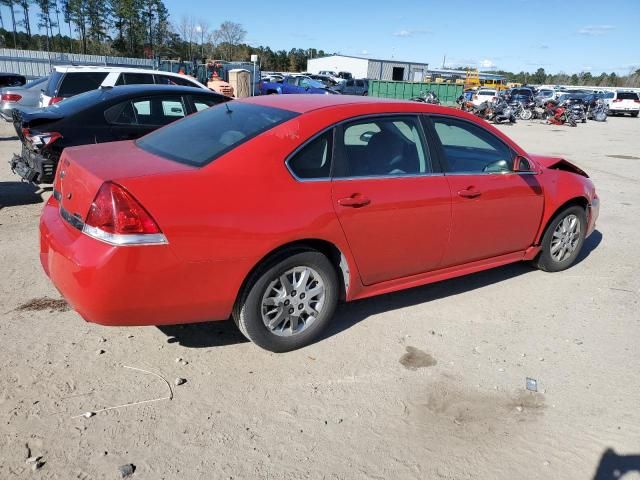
(12, 80)
(103, 115)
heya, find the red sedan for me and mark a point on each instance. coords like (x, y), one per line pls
(272, 209)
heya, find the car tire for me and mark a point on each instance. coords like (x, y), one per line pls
(635, 114)
(251, 312)
(555, 240)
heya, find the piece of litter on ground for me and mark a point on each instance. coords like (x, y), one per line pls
(501, 370)
(36, 466)
(180, 381)
(88, 414)
(519, 408)
(126, 470)
(100, 352)
(178, 360)
(532, 384)
(33, 459)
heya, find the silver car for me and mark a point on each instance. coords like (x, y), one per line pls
(26, 96)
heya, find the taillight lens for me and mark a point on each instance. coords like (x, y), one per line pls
(55, 100)
(41, 139)
(116, 217)
(10, 97)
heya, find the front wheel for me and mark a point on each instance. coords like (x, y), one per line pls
(634, 114)
(526, 114)
(563, 240)
(287, 303)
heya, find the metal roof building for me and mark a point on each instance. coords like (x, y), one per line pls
(371, 68)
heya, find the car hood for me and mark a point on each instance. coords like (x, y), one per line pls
(558, 163)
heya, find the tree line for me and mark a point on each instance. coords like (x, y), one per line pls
(541, 77)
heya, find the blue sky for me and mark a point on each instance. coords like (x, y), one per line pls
(560, 35)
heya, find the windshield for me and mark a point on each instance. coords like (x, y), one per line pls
(202, 137)
(491, 93)
(627, 96)
(309, 82)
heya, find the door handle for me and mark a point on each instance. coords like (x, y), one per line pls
(356, 201)
(469, 193)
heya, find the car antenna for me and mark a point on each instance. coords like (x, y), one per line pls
(226, 104)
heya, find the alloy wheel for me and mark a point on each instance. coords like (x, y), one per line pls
(293, 301)
(565, 238)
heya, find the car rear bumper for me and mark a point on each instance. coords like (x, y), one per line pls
(34, 167)
(133, 285)
(624, 109)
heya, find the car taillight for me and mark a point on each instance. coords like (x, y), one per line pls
(10, 97)
(636, 101)
(55, 100)
(41, 139)
(116, 217)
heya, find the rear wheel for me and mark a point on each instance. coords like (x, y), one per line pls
(634, 114)
(563, 240)
(288, 302)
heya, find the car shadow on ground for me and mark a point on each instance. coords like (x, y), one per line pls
(613, 466)
(216, 334)
(13, 194)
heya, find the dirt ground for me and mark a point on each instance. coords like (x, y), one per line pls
(423, 384)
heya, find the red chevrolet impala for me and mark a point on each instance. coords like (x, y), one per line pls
(272, 209)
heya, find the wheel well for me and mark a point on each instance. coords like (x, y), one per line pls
(333, 253)
(577, 201)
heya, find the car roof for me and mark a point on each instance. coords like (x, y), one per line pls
(97, 68)
(307, 103)
(152, 89)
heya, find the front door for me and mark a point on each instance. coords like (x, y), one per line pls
(393, 203)
(495, 211)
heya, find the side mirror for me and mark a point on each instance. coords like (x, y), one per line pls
(522, 164)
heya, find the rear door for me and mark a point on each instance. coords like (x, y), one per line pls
(495, 211)
(136, 117)
(390, 196)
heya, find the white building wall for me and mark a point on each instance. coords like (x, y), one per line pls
(337, 63)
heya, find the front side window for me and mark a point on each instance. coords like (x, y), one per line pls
(202, 137)
(314, 159)
(388, 146)
(471, 149)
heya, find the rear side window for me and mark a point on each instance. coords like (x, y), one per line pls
(129, 78)
(79, 82)
(202, 102)
(154, 111)
(627, 96)
(314, 159)
(201, 138)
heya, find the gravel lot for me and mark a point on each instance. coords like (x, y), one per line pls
(423, 384)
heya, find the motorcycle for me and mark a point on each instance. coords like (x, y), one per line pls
(559, 114)
(577, 109)
(430, 97)
(598, 112)
(500, 112)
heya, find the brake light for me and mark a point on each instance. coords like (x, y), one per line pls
(116, 217)
(10, 97)
(55, 100)
(41, 140)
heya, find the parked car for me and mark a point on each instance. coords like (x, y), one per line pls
(66, 82)
(624, 102)
(484, 95)
(354, 87)
(294, 84)
(17, 97)
(102, 115)
(545, 94)
(12, 80)
(271, 209)
(522, 94)
(326, 80)
(333, 75)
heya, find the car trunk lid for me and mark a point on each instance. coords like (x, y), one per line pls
(83, 170)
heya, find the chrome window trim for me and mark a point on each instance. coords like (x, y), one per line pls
(386, 177)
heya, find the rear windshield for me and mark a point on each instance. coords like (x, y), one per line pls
(201, 138)
(627, 96)
(80, 82)
(487, 92)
